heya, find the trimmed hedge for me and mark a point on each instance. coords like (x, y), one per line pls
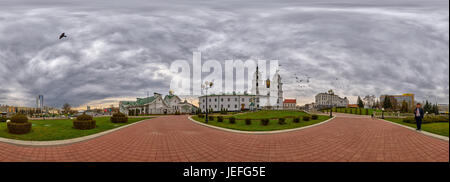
(232, 120)
(201, 115)
(264, 122)
(19, 118)
(281, 121)
(296, 120)
(306, 118)
(314, 117)
(84, 117)
(211, 118)
(219, 118)
(19, 128)
(119, 118)
(84, 122)
(427, 119)
(248, 121)
(3, 119)
(19, 124)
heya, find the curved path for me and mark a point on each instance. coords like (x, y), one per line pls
(175, 138)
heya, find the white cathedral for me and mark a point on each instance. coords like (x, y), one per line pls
(265, 93)
(270, 92)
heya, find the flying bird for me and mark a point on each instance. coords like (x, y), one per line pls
(62, 35)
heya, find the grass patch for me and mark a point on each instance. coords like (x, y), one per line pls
(48, 130)
(256, 122)
(441, 128)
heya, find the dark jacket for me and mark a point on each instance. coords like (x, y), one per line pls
(420, 110)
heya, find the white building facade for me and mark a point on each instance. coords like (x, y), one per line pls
(325, 100)
(229, 102)
(265, 94)
(290, 104)
(156, 104)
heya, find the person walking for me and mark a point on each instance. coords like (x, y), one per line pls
(418, 115)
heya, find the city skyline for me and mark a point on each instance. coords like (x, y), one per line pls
(119, 51)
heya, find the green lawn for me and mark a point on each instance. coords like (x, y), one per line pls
(441, 128)
(47, 130)
(256, 123)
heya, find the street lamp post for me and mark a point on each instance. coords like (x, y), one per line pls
(331, 109)
(382, 113)
(206, 86)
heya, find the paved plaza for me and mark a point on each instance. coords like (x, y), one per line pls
(176, 138)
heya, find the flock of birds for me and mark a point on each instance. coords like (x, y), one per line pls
(302, 81)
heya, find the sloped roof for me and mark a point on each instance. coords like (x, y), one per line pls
(142, 101)
(139, 101)
(290, 101)
(167, 97)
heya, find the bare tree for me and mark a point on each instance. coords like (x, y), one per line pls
(66, 108)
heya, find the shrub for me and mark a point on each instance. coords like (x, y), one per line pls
(409, 120)
(211, 118)
(427, 119)
(84, 117)
(19, 118)
(305, 118)
(3, 119)
(314, 117)
(434, 119)
(281, 121)
(248, 121)
(19, 124)
(219, 118)
(84, 122)
(265, 122)
(119, 118)
(232, 120)
(19, 128)
(201, 115)
(296, 120)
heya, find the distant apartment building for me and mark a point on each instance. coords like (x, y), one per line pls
(408, 98)
(40, 102)
(328, 99)
(290, 104)
(11, 110)
(310, 106)
(369, 101)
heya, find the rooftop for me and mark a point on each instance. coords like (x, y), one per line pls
(290, 101)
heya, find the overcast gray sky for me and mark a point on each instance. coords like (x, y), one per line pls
(119, 49)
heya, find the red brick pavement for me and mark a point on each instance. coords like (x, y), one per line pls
(175, 138)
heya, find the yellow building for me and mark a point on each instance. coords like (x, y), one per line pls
(10, 110)
(407, 97)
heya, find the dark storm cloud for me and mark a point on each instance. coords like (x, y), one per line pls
(118, 49)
